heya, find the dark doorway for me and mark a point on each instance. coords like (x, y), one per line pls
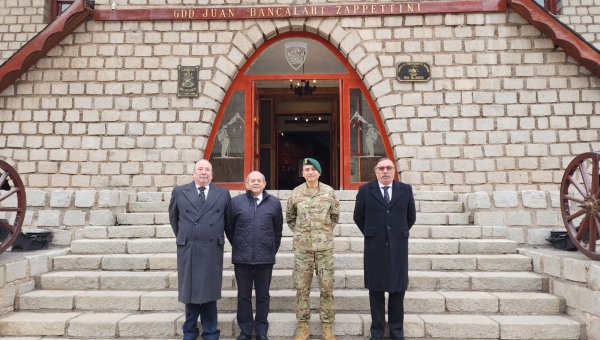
(293, 148)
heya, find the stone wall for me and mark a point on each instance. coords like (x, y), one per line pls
(66, 212)
(583, 16)
(528, 216)
(575, 278)
(20, 20)
(503, 110)
(18, 271)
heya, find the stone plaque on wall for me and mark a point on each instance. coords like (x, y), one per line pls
(187, 81)
(413, 71)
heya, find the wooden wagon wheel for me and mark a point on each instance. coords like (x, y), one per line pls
(580, 202)
(11, 185)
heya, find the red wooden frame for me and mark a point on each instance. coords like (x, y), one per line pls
(246, 82)
(55, 7)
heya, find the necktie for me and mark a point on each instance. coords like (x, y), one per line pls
(386, 196)
(202, 197)
(255, 203)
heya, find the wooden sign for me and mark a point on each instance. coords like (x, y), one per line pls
(301, 11)
(413, 71)
(187, 81)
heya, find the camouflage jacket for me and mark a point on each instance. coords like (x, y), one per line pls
(312, 217)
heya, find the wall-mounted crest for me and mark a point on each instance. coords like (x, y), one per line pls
(295, 53)
(413, 71)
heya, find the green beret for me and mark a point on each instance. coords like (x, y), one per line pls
(313, 162)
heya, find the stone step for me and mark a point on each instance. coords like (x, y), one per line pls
(341, 244)
(282, 279)
(127, 262)
(417, 231)
(283, 301)
(283, 325)
(425, 218)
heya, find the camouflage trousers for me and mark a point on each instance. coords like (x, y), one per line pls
(305, 264)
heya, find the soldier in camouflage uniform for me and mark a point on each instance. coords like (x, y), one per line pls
(312, 213)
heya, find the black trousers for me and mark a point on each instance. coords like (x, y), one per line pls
(395, 314)
(245, 276)
(208, 320)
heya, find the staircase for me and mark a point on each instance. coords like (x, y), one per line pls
(464, 282)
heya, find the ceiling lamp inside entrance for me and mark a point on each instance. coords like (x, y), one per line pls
(303, 87)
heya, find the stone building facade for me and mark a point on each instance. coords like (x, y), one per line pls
(504, 110)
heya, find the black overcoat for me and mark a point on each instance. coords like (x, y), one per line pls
(386, 230)
(200, 241)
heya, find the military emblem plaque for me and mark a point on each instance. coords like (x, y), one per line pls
(413, 71)
(187, 81)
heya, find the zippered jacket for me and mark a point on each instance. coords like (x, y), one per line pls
(254, 234)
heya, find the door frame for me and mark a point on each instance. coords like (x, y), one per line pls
(247, 83)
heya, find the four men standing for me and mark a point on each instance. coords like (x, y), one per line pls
(384, 213)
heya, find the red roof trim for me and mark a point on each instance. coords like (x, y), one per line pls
(573, 44)
(36, 48)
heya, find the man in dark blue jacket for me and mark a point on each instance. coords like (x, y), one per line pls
(254, 226)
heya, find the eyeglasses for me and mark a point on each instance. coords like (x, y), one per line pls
(388, 168)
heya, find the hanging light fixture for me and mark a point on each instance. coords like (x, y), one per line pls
(303, 87)
(309, 121)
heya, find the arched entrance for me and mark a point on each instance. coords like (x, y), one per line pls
(263, 124)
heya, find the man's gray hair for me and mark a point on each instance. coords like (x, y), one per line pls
(248, 177)
(381, 160)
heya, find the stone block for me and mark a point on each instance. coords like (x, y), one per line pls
(125, 262)
(432, 246)
(16, 270)
(48, 299)
(35, 324)
(95, 232)
(459, 218)
(426, 280)
(508, 262)
(537, 327)
(85, 198)
(135, 280)
(165, 231)
(528, 303)
(538, 236)
(477, 302)
(149, 196)
(478, 200)
(505, 281)
(135, 218)
(61, 237)
(48, 218)
(70, 280)
(534, 199)
(518, 218)
(454, 232)
(461, 326)
(515, 234)
(102, 217)
(575, 269)
(420, 302)
(589, 301)
(99, 246)
(567, 291)
(108, 300)
(36, 198)
(100, 325)
(167, 300)
(593, 276)
(487, 246)
(149, 325)
(432, 218)
(494, 218)
(434, 195)
(162, 262)
(130, 231)
(108, 198)
(61, 198)
(440, 207)
(505, 199)
(548, 218)
(452, 262)
(39, 264)
(74, 218)
(7, 296)
(77, 262)
(146, 246)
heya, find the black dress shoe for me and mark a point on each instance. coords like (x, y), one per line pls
(261, 337)
(244, 336)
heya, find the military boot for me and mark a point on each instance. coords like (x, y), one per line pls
(328, 331)
(302, 331)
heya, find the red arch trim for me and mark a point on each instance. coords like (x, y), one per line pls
(351, 76)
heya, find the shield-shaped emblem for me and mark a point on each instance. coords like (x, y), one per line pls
(295, 53)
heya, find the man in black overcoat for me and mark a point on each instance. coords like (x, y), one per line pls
(197, 216)
(385, 212)
(254, 228)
